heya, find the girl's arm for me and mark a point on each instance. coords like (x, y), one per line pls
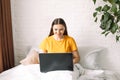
(76, 57)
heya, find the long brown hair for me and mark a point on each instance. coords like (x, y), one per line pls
(58, 21)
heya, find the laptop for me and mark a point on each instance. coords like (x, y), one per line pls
(55, 61)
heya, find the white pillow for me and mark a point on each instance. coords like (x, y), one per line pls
(88, 56)
(31, 58)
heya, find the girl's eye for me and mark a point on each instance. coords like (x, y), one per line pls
(55, 29)
(58, 29)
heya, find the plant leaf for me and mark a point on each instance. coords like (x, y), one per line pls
(103, 23)
(96, 19)
(108, 25)
(115, 1)
(106, 8)
(105, 0)
(106, 17)
(102, 26)
(118, 12)
(117, 19)
(114, 28)
(117, 38)
(111, 1)
(103, 32)
(114, 8)
(118, 16)
(107, 33)
(99, 9)
(94, 14)
(94, 1)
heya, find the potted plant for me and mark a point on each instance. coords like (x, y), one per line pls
(109, 17)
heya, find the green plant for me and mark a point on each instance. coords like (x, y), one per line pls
(109, 14)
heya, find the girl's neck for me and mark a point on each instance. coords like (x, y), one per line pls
(58, 38)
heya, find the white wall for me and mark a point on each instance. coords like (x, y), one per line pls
(32, 21)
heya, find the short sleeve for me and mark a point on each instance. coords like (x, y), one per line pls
(73, 45)
(43, 45)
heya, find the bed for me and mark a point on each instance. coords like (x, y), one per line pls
(87, 69)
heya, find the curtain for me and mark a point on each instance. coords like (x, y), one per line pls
(1, 66)
(6, 38)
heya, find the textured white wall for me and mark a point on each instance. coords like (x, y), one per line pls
(32, 21)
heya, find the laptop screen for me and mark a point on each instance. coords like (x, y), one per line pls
(55, 61)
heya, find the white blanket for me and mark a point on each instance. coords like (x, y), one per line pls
(32, 72)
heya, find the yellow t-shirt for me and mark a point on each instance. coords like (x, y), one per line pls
(67, 44)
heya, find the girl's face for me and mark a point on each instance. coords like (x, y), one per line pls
(58, 30)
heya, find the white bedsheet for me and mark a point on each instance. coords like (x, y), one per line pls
(32, 72)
